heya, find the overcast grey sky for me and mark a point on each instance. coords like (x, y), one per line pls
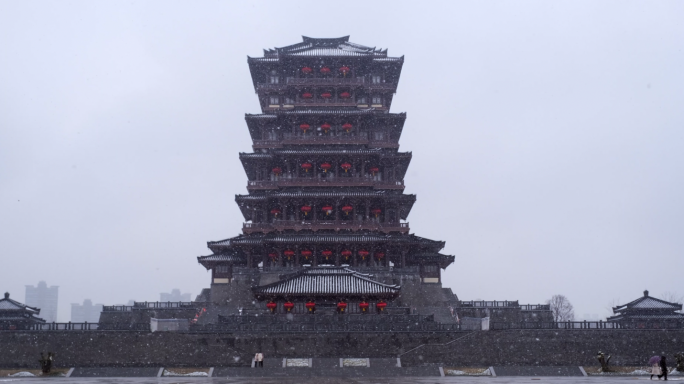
(546, 136)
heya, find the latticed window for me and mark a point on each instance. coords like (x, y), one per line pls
(289, 100)
(377, 99)
(274, 100)
(377, 79)
(361, 100)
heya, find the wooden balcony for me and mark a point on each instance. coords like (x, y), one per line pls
(328, 182)
(283, 225)
(294, 82)
(324, 140)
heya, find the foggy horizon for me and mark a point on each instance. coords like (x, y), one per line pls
(546, 139)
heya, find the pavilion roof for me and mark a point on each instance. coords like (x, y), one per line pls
(327, 281)
(325, 47)
(228, 256)
(442, 260)
(647, 302)
(297, 112)
(8, 304)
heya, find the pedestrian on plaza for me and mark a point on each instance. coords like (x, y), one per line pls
(259, 360)
(663, 368)
(654, 363)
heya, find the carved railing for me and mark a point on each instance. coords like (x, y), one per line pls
(581, 325)
(327, 182)
(79, 327)
(488, 304)
(142, 305)
(535, 307)
(282, 225)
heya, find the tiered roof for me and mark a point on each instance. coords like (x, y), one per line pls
(327, 281)
(325, 47)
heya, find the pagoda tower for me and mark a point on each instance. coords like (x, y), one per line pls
(325, 206)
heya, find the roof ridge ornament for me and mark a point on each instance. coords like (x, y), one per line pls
(6, 295)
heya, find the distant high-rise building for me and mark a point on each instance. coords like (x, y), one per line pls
(85, 312)
(45, 298)
(175, 295)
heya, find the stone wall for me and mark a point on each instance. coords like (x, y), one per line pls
(484, 348)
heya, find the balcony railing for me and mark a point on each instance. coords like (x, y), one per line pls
(326, 81)
(488, 304)
(327, 182)
(282, 225)
(141, 305)
(325, 140)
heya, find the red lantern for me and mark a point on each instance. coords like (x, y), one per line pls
(277, 170)
(306, 166)
(273, 255)
(272, 306)
(306, 253)
(288, 306)
(347, 208)
(381, 305)
(345, 95)
(327, 209)
(379, 254)
(275, 212)
(341, 306)
(306, 209)
(376, 211)
(327, 253)
(363, 306)
(346, 167)
(346, 253)
(326, 95)
(304, 127)
(310, 306)
(307, 70)
(289, 253)
(344, 70)
(325, 70)
(363, 253)
(374, 170)
(347, 127)
(307, 95)
(325, 127)
(325, 167)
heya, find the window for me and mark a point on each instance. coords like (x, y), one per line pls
(377, 99)
(361, 100)
(275, 79)
(288, 100)
(430, 268)
(274, 100)
(377, 79)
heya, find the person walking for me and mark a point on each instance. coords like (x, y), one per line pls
(654, 363)
(259, 360)
(663, 368)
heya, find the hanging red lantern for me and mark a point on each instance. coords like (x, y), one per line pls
(344, 70)
(374, 170)
(304, 127)
(310, 306)
(341, 306)
(325, 70)
(363, 253)
(347, 127)
(381, 305)
(363, 306)
(273, 255)
(275, 212)
(376, 211)
(306, 209)
(327, 209)
(346, 253)
(325, 167)
(289, 253)
(277, 170)
(379, 254)
(345, 166)
(345, 95)
(325, 127)
(307, 70)
(347, 208)
(307, 95)
(306, 253)
(288, 306)
(306, 166)
(272, 306)
(327, 253)
(326, 95)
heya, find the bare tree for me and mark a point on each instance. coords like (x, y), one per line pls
(561, 308)
(672, 297)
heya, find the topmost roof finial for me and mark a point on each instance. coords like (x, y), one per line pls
(646, 293)
(6, 295)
